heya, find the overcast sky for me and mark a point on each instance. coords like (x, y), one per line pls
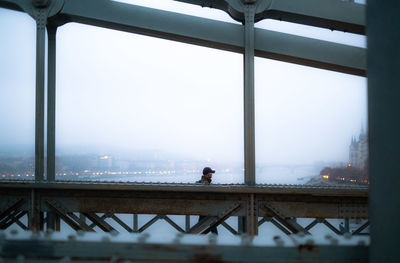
(125, 92)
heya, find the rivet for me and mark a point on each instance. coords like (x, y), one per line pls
(14, 232)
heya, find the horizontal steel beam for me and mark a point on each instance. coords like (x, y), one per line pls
(350, 191)
(214, 34)
(93, 247)
(183, 199)
(331, 14)
(209, 33)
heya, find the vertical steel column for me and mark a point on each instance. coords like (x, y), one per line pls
(383, 71)
(251, 220)
(187, 223)
(135, 223)
(41, 18)
(34, 223)
(347, 225)
(242, 225)
(249, 131)
(51, 103)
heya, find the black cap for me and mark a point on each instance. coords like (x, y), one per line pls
(207, 170)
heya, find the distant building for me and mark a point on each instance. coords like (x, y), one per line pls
(358, 150)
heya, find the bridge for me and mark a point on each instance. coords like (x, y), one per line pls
(39, 207)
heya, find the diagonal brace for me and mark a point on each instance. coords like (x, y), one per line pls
(206, 224)
(173, 224)
(229, 228)
(121, 223)
(13, 218)
(72, 221)
(148, 224)
(103, 225)
(331, 227)
(361, 228)
(289, 223)
(13, 207)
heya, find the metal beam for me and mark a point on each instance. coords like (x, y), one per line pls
(13, 218)
(331, 14)
(229, 228)
(172, 223)
(301, 190)
(149, 223)
(41, 17)
(15, 206)
(331, 227)
(51, 103)
(225, 214)
(361, 228)
(92, 247)
(73, 221)
(285, 221)
(103, 225)
(211, 33)
(206, 224)
(310, 52)
(309, 202)
(383, 41)
(121, 223)
(248, 98)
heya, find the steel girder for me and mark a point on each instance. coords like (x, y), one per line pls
(226, 36)
(191, 199)
(331, 14)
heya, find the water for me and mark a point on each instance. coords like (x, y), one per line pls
(267, 175)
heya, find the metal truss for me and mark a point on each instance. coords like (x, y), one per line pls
(84, 206)
(244, 39)
(112, 247)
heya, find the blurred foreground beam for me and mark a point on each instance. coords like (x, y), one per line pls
(383, 36)
(93, 247)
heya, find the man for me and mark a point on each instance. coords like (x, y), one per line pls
(207, 175)
(206, 179)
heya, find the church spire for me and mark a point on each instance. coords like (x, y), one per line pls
(362, 132)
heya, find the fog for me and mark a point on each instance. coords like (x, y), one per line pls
(124, 93)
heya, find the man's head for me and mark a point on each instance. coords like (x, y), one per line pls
(207, 172)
